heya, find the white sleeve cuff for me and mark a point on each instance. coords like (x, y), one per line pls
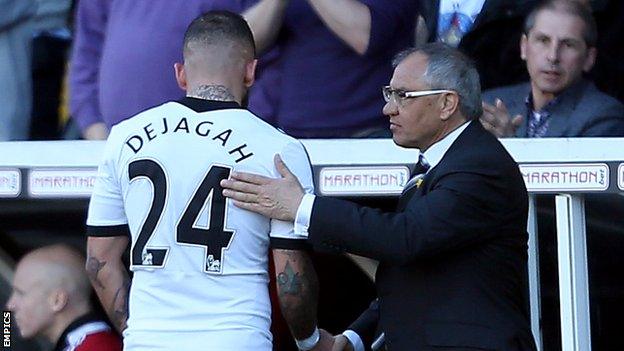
(309, 342)
(304, 212)
(354, 339)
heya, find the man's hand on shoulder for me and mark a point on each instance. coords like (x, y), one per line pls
(497, 120)
(277, 198)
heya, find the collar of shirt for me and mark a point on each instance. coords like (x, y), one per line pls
(435, 152)
(545, 111)
(572, 93)
(90, 317)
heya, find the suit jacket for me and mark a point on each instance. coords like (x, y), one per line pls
(453, 256)
(493, 42)
(580, 111)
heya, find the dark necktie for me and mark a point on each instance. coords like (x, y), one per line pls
(418, 173)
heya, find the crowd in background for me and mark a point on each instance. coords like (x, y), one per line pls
(72, 69)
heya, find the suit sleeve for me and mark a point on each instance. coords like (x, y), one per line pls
(461, 209)
(366, 324)
(607, 123)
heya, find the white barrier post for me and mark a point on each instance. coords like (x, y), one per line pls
(573, 285)
(534, 277)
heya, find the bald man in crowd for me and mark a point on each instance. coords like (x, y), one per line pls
(50, 299)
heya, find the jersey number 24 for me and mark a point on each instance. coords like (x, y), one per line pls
(215, 238)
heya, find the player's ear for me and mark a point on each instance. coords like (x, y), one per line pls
(180, 75)
(250, 73)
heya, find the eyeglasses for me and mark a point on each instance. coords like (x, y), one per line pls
(399, 96)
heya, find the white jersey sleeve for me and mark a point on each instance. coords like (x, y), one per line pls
(296, 159)
(106, 216)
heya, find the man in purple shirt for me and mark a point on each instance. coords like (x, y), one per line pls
(123, 56)
(334, 56)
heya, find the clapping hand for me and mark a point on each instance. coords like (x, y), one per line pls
(497, 120)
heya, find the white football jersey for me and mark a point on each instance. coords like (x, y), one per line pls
(199, 262)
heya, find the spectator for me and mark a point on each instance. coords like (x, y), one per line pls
(15, 81)
(558, 46)
(486, 30)
(51, 42)
(51, 299)
(334, 55)
(122, 55)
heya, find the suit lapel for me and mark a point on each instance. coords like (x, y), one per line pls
(404, 199)
(465, 138)
(563, 111)
(519, 106)
(522, 129)
(416, 191)
(558, 121)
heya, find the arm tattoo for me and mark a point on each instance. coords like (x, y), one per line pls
(212, 92)
(297, 287)
(93, 268)
(120, 305)
(289, 282)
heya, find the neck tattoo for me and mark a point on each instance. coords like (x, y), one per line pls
(212, 92)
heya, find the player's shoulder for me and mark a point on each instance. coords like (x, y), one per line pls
(271, 131)
(277, 141)
(267, 140)
(129, 125)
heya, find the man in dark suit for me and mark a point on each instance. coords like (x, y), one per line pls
(453, 256)
(558, 46)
